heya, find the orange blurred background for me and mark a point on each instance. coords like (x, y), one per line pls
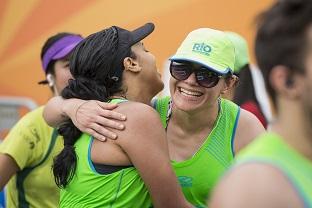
(25, 25)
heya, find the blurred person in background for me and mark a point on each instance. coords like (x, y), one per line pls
(276, 169)
(204, 131)
(27, 152)
(250, 93)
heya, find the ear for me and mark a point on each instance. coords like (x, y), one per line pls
(132, 65)
(285, 83)
(229, 83)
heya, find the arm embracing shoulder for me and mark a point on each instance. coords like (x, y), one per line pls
(57, 110)
(93, 117)
(144, 141)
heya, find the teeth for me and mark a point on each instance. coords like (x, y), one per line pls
(192, 93)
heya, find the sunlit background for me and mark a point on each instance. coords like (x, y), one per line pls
(26, 24)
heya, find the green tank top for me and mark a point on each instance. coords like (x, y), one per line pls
(88, 188)
(198, 175)
(271, 149)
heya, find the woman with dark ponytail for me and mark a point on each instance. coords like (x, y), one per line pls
(113, 66)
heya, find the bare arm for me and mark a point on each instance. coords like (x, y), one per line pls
(88, 116)
(249, 127)
(144, 141)
(256, 186)
(8, 168)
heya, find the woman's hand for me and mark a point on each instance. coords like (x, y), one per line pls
(92, 117)
(97, 119)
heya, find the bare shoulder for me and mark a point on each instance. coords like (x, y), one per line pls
(248, 128)
(138, 112)
(250, 120)
(142, 122)
(254, 185)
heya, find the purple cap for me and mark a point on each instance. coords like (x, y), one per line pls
(60, 49)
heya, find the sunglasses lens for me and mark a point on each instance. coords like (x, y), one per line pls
(207, 78)
(204, 76)
(180, 71)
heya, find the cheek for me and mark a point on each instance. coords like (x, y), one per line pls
(172, 84)
(150, 62)
(63, 75)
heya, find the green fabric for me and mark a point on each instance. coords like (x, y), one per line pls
(271, 149)
(162, 106)
(208, 47)
(198, 175)
(241, 51)
(88, 188)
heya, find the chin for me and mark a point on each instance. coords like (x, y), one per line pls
(186, 105)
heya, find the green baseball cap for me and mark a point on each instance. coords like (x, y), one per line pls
(208, 47)
(241, 51)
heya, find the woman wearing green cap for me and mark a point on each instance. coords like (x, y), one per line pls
(27, 152)
(204, 131)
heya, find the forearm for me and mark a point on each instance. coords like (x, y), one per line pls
(8, 168)
(58, 110)
(167, 183)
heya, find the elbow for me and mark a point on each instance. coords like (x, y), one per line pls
(46, 117)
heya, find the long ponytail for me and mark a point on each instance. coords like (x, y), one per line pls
(92, 66)
(64, 165)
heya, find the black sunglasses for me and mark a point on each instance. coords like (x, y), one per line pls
(181, 70)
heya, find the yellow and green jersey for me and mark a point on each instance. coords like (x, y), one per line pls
(270, 149)
(198, 175)
(33, 145)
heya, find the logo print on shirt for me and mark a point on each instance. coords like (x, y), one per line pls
(185, 181)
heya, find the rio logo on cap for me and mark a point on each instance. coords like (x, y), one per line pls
(202, 48)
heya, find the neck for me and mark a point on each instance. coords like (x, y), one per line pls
(294, 126)
(137, 94)
(197, 120)
(139, 97)
(134, 91)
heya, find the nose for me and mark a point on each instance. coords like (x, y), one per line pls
(191, 80)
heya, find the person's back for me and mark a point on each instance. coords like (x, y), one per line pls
(106, 185)
(272, 150)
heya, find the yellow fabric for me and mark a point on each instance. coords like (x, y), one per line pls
(27, 143)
